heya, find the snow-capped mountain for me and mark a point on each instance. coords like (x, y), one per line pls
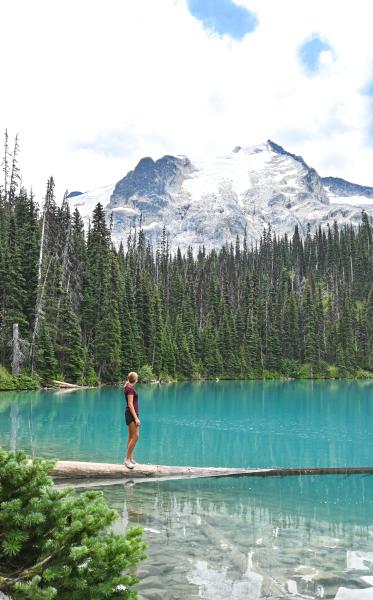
(210, 201)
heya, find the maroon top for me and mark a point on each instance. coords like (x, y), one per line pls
(129, 390)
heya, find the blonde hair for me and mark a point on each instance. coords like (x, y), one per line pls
(131, 378)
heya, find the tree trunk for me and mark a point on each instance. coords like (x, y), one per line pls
(16, 351)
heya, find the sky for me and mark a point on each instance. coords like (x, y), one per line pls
(92, 86)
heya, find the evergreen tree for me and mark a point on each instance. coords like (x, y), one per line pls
(46, 362)
(69, 348)
(59, 544)
(86, 310)
(309, 324)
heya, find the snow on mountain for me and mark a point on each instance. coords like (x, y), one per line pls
(341, 191)
(210, 201)
(85, 203)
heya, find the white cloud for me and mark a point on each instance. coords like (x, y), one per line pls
(91, 87)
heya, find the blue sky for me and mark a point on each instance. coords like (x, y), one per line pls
(310, 52)
(193, 77)
(224, 17)
(368, 88)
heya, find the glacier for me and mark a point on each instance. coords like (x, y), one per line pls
(209, 201)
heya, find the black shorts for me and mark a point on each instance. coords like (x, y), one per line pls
(129, 418)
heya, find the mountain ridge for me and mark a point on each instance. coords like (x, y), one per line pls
(210, 201)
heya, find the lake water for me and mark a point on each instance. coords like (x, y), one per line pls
(227, 538)
(251, 538)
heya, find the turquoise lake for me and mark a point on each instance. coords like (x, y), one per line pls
(299, 537)
(238, 424)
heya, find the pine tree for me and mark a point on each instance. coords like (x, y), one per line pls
(107, 340)
(56, 543)
(310, 336)
(46, 362)
(346, 338)
(69, 348)
(273, 344)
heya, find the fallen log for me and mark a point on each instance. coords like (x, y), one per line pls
(66, 469)
(65, 384)
(89, 470)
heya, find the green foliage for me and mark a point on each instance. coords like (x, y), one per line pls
(46, 362)
(69, 349)
(271, 374)
(332, 372)
(17, 382)
(362, 374)
(58, 544)
(197, 368)
(6, 379)
(27, 382)
(290, 367)
(254, 375)
(146, 374)
(305, 371)
(166, 378)
(92, 312)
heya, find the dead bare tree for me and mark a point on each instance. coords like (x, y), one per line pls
(17, 356)
(19, 350)
(43, 270)
(15, 176)
(5, 166)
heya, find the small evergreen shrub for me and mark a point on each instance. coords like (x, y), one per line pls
(254, 375)
(166, 378)
(6, 380)
(197, 370)
(332, 372)
(362, 374)
(27, 382)
(58, 544)
(91, 379)
(146, 374)
(271, 374)
(305, 371)
(290, 367)
(17, 382)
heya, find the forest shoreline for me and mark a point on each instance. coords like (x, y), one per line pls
(25, 382)
(76, 308)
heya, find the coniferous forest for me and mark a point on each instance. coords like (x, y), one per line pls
(89, 312)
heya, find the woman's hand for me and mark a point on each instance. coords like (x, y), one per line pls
(137, 422)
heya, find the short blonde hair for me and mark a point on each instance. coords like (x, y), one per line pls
(132, 377)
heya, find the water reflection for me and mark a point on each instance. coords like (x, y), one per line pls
(253, 538)
(207, 424)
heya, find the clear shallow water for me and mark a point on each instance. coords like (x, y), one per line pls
(240, 538)
(259, 424)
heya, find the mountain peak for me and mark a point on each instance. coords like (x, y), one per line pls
(211, 201)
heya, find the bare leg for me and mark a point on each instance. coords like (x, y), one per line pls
(133, 436)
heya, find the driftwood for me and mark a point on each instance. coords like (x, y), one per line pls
(64, 384)
(89, 470)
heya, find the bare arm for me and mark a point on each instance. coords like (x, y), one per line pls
(132, 409)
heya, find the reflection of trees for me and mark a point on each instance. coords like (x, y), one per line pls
(9, 398)
(14, 420)
(277, 423)
(284, 502)
(78, 425)
(14, 429)
(267, 526)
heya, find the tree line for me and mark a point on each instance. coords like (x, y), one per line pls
(90, 312)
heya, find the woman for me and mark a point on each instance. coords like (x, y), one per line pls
(132, 417)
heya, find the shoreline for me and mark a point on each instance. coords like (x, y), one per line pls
(74, 387)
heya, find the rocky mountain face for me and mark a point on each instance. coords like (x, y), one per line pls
(212, 200)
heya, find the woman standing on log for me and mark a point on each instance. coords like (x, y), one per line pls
(132, 417)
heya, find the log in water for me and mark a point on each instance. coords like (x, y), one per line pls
(90, 470)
